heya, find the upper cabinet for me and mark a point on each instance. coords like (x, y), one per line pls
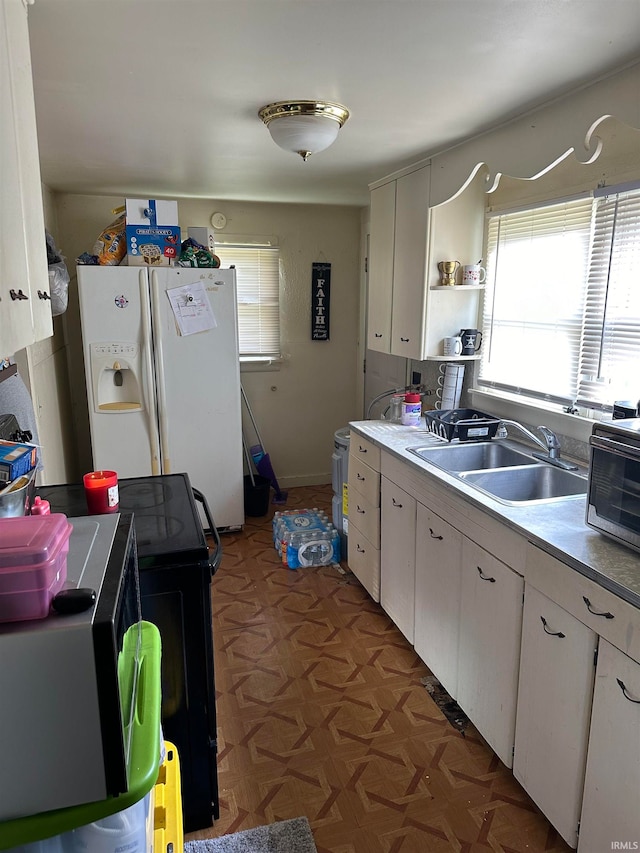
(408, 312)
(25, 307)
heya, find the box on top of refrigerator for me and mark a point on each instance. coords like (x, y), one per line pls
(153, 234)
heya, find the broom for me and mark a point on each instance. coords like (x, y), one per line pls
(261, 459)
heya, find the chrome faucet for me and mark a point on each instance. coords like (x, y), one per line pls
(550, 445)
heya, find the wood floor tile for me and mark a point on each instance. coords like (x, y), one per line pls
(322, 712)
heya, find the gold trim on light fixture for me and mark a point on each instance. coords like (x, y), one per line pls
(320, 111)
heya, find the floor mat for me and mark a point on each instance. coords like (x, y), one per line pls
(286, 836)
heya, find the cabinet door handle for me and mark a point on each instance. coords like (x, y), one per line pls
(360, 477)
(359, 549)
(361, 449)
(485, 577)
(433, 535)
(42, 294)
(625, 692)
(551, 633)
(17, 294)
(606, 615)
(376, 335)
(361, 511)
(395, 503)
(404, 340)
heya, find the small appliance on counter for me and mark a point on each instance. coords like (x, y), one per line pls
(175, 584)
(613, 497)
(71, 683)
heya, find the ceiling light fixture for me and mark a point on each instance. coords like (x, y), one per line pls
(304, 127)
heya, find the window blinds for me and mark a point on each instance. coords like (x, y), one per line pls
(532, 323)
(258, 297)
(610, 353)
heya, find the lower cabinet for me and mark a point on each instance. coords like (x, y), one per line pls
(610, 806)
(437, 597)
(557, 669)
(397, 556)
(489, 651)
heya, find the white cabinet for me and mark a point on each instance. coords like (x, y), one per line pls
(397, 556)
(437, 597)
(363, 545)
(408, 312)
(489, 651)
(610, 810)
(25, 309)
(557, 668)
(397, 264)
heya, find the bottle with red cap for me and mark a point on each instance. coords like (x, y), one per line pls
(411, 409)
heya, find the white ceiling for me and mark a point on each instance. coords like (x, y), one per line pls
(160, 98)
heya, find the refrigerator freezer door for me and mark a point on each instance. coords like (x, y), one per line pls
(198, 379)
(116, 334)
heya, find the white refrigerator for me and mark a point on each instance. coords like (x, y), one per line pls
(163, 377)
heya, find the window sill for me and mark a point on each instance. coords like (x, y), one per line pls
(265, 365)
(534, 413)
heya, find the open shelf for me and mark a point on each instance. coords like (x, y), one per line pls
(458, 287)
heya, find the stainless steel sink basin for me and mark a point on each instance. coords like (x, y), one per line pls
(472, 457)
(532, 484)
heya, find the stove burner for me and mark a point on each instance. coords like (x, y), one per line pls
(152, 529)
(144, 495)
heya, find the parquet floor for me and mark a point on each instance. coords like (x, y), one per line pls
(322, 712)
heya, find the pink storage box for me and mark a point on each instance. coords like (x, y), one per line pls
(33, 564)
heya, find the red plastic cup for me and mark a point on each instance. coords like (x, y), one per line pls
(101, 492)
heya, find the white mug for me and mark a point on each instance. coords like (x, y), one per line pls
(452, 345)
(473, 274)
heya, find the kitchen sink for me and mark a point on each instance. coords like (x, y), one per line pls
(539, 483)
(472, 457)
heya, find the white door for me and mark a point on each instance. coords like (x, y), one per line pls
(117, 348)
(489, 653)
(198, 388)
(397, 556)
(410, 264)
(382, 219)
(557, 668)
(437, 607)
(610, 811)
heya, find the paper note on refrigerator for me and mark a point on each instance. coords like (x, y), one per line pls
(191, 308)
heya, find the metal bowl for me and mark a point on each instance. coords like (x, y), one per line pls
(19, 502)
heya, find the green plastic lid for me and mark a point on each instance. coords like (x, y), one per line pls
(144, 763)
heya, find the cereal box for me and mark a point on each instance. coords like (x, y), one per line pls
(16, 459)
(153, 234)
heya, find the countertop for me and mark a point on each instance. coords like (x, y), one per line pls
(557, 527)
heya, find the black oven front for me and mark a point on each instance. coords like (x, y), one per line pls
(613, 505)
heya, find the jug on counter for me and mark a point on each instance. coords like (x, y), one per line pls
(471, 341)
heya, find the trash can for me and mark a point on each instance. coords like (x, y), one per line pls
(339, 479)
(256, 495)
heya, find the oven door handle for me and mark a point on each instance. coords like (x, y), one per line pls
(217, 555)
(610, 445)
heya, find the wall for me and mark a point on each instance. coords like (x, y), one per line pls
(299, 404)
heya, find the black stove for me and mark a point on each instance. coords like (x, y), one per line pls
(175, 583)
(168, 528)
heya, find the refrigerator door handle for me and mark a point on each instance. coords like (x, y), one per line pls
(147, 373)
(160, 389)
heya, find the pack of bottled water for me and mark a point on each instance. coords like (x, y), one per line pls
(305, 537)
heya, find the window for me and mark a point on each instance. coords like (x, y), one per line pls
(562, 304)
(258, 284)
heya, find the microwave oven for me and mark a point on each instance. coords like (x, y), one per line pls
(613, 498)
(70, 683)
